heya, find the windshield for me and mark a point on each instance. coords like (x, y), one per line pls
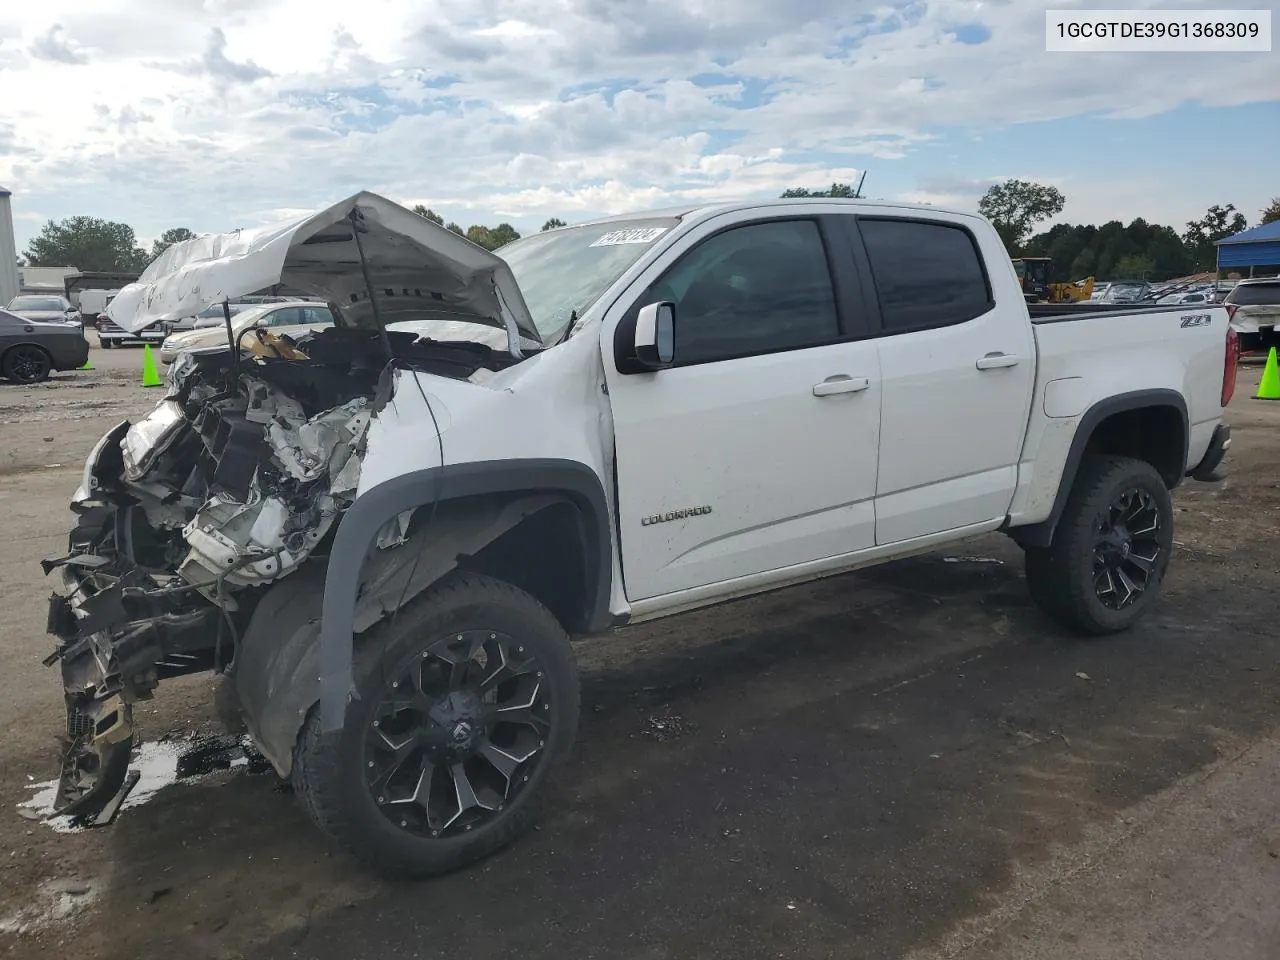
(52, 304)
(563, 272)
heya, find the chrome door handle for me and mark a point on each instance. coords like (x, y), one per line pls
(994, 361)
(840, 383)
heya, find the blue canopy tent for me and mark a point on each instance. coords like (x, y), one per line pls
(1259, 247)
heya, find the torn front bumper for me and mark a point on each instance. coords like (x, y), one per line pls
(110, 660)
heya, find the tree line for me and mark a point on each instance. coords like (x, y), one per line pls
(1113, 251)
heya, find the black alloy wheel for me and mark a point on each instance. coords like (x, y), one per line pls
(1110, 549)
(466, 701)
(27, 364)
(1127, 549)
(457, 733)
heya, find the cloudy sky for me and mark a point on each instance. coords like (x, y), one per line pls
(214, 114)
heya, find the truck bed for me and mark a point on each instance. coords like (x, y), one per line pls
(1157, 349)
(1060, 312)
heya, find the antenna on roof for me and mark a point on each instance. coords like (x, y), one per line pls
(857, 191)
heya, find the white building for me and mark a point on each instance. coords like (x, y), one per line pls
(43, 279)
(9, 285)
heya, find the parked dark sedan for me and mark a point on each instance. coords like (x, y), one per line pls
(31, 349)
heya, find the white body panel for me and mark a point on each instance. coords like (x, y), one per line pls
(1088, 359)
(956, 403)
(789, 476)
(932, 449)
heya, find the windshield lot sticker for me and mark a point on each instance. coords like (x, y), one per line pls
(634, 235)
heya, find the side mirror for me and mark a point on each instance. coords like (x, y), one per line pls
(655, 343)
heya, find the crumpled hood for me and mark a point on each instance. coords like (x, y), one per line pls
(410, 260)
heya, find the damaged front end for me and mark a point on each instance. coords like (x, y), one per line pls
(231, 483)
(241, 474)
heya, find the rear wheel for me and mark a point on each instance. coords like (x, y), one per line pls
(105, 344)
(26, 363)
(468, 699)
(1110, 550)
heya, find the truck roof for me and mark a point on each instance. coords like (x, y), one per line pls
(703, 210)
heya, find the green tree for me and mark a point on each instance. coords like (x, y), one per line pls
(1134, 267)
(1015, 206)
(168, 239)
(1202, 235)
(480, 236)
(503, 234)
(456, 228)
(427, 212)
(1085, 250)
(491, 238)
(552, 224)
(842, 191)
(87, 243)
(1271, 213)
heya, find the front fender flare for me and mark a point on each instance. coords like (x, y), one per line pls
(373, 509)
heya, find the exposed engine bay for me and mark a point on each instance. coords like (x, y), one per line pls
(235, 480)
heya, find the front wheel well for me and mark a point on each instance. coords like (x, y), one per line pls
(546, 556)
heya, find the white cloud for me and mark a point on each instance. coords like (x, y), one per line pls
(54, 44)
(215, 113)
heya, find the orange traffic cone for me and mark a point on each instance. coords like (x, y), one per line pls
(150, 375)
(1269, 387)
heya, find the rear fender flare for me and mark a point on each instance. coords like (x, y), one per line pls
(1041, 534)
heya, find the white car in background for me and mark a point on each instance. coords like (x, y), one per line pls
(290, 317)
(1254, 306)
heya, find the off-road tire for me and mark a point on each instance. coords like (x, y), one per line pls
(1060, 577)
(327, 772)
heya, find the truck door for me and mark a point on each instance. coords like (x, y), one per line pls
(958, 371)
(756, 451)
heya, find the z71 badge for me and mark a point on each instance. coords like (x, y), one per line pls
(1196, 319)
(674, 515)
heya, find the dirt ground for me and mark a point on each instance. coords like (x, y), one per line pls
(908, 761)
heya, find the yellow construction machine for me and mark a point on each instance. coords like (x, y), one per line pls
(1034, 273)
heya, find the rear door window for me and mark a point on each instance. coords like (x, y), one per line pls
(286, 317)
(927, 274)
(316, 315)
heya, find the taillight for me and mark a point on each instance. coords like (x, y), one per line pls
(1230, 365)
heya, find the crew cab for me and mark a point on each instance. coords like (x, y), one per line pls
(386, 531)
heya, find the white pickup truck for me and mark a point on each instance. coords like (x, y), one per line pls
(386, 532)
